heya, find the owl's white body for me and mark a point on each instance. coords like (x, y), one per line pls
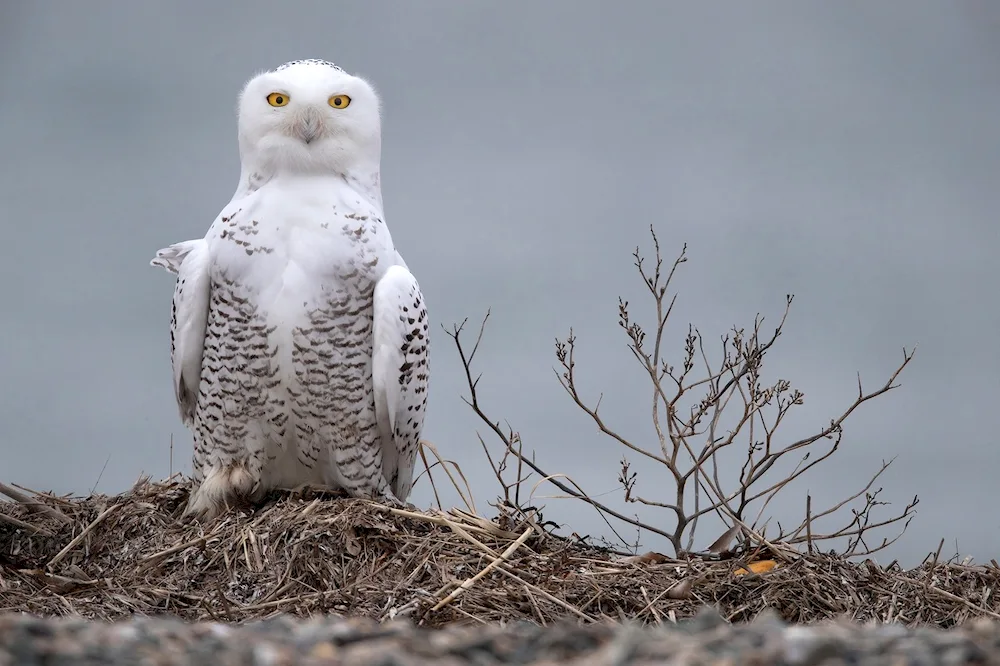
(299, 336)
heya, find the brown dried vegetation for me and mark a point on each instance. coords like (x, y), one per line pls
(109, 557)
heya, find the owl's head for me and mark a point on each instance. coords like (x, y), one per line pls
(309, 116)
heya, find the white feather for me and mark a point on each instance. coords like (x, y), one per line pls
(399, 372)
(189, 260)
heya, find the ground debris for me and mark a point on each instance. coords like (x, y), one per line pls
(111, 557)
(706, 639)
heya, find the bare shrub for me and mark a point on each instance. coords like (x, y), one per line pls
(701, 411)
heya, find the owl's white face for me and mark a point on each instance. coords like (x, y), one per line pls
(309, 116)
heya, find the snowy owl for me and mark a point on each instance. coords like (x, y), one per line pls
(299, 337)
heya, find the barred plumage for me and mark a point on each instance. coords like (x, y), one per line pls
(299, 338)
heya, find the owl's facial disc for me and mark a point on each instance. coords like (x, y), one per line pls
(309, 117)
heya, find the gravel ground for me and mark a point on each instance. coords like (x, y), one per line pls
(706, 639)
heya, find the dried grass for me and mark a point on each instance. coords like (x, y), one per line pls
(107, 557)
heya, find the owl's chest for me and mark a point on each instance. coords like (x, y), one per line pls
(315, 236)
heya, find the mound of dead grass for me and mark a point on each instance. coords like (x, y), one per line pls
(108, 557)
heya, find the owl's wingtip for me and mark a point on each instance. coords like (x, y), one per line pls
(172, 256)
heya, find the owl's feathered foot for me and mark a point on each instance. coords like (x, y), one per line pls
(308, 491)
(385, 496)
(224, 487)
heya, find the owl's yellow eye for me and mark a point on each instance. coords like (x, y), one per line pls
(277, 99)
(340, 101)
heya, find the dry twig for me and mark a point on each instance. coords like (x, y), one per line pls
(699, 420)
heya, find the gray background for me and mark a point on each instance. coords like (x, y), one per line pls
(848, 153)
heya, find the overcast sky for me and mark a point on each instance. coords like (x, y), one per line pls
(848, 153)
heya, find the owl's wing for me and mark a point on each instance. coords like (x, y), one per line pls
(400, 373)
(189, 260)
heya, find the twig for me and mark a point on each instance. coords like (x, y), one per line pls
(430, 477)
(25, 526)
(438, 520)
(82, 535)
(736, 379)
(468, 499)
(174, 549)
(32, 505)
(809, 520)
(473, 402)
(469, 582)
(958, 599)
(537, 590)
(534, 605)
(100, 474)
